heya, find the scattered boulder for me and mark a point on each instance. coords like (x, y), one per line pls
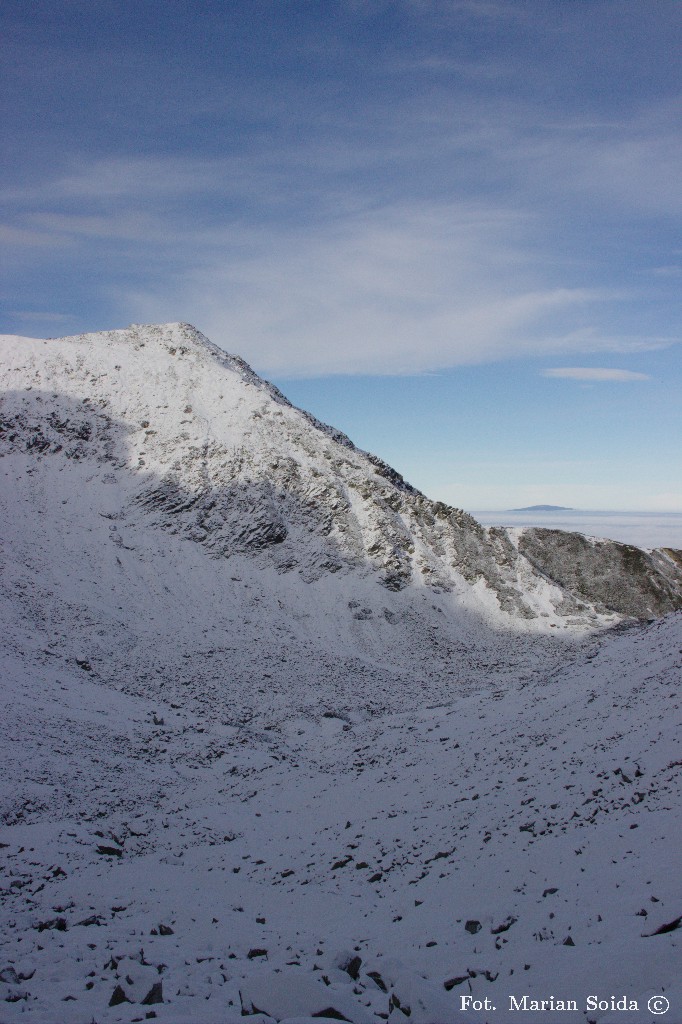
(109, 851)
(670, 926)
(351, 966)
(118, 996)
(297, 994)
(504, 926)
(458, 980)
(57, 924)
(155, 994)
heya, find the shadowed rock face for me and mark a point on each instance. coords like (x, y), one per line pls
(619, 576)
(205, 450)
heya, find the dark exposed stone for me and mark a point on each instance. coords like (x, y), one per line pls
(109, 851)
(378, 980)
(671, 926)
(118, 996)
(505, 926)
(451, 982)
(352, 967)
(395, 1003)
(57, 924)
(155, 994)
(330, 1013)
(441, 855)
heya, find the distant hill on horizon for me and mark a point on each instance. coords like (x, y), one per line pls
(542, 508)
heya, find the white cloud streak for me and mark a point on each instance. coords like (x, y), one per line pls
(41, 317)
(594, 374)
(354, 252)
(403, 290)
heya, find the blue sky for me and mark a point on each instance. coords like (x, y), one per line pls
(449, 227)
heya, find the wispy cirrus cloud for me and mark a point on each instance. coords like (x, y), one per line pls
(358, 288)
(633, 165)
(427, 145)
(401, 290)
(595, 374)
(101, 180)
(41, 316)
(420, 239)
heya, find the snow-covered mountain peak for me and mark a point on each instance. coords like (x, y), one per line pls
(201, 447)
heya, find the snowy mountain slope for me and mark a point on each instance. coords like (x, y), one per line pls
(514, 843)
(227, 633)
(155, 426)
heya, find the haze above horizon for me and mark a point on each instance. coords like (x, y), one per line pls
(451, 229)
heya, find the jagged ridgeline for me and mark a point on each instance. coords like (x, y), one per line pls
(187, 440)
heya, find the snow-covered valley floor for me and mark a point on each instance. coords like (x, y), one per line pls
(517, 842)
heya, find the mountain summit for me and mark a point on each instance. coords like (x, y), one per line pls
(179, 436)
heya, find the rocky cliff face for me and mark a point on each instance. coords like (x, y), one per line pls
(608, 574)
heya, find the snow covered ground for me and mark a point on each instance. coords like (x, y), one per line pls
(283, 738)
(514, 841)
